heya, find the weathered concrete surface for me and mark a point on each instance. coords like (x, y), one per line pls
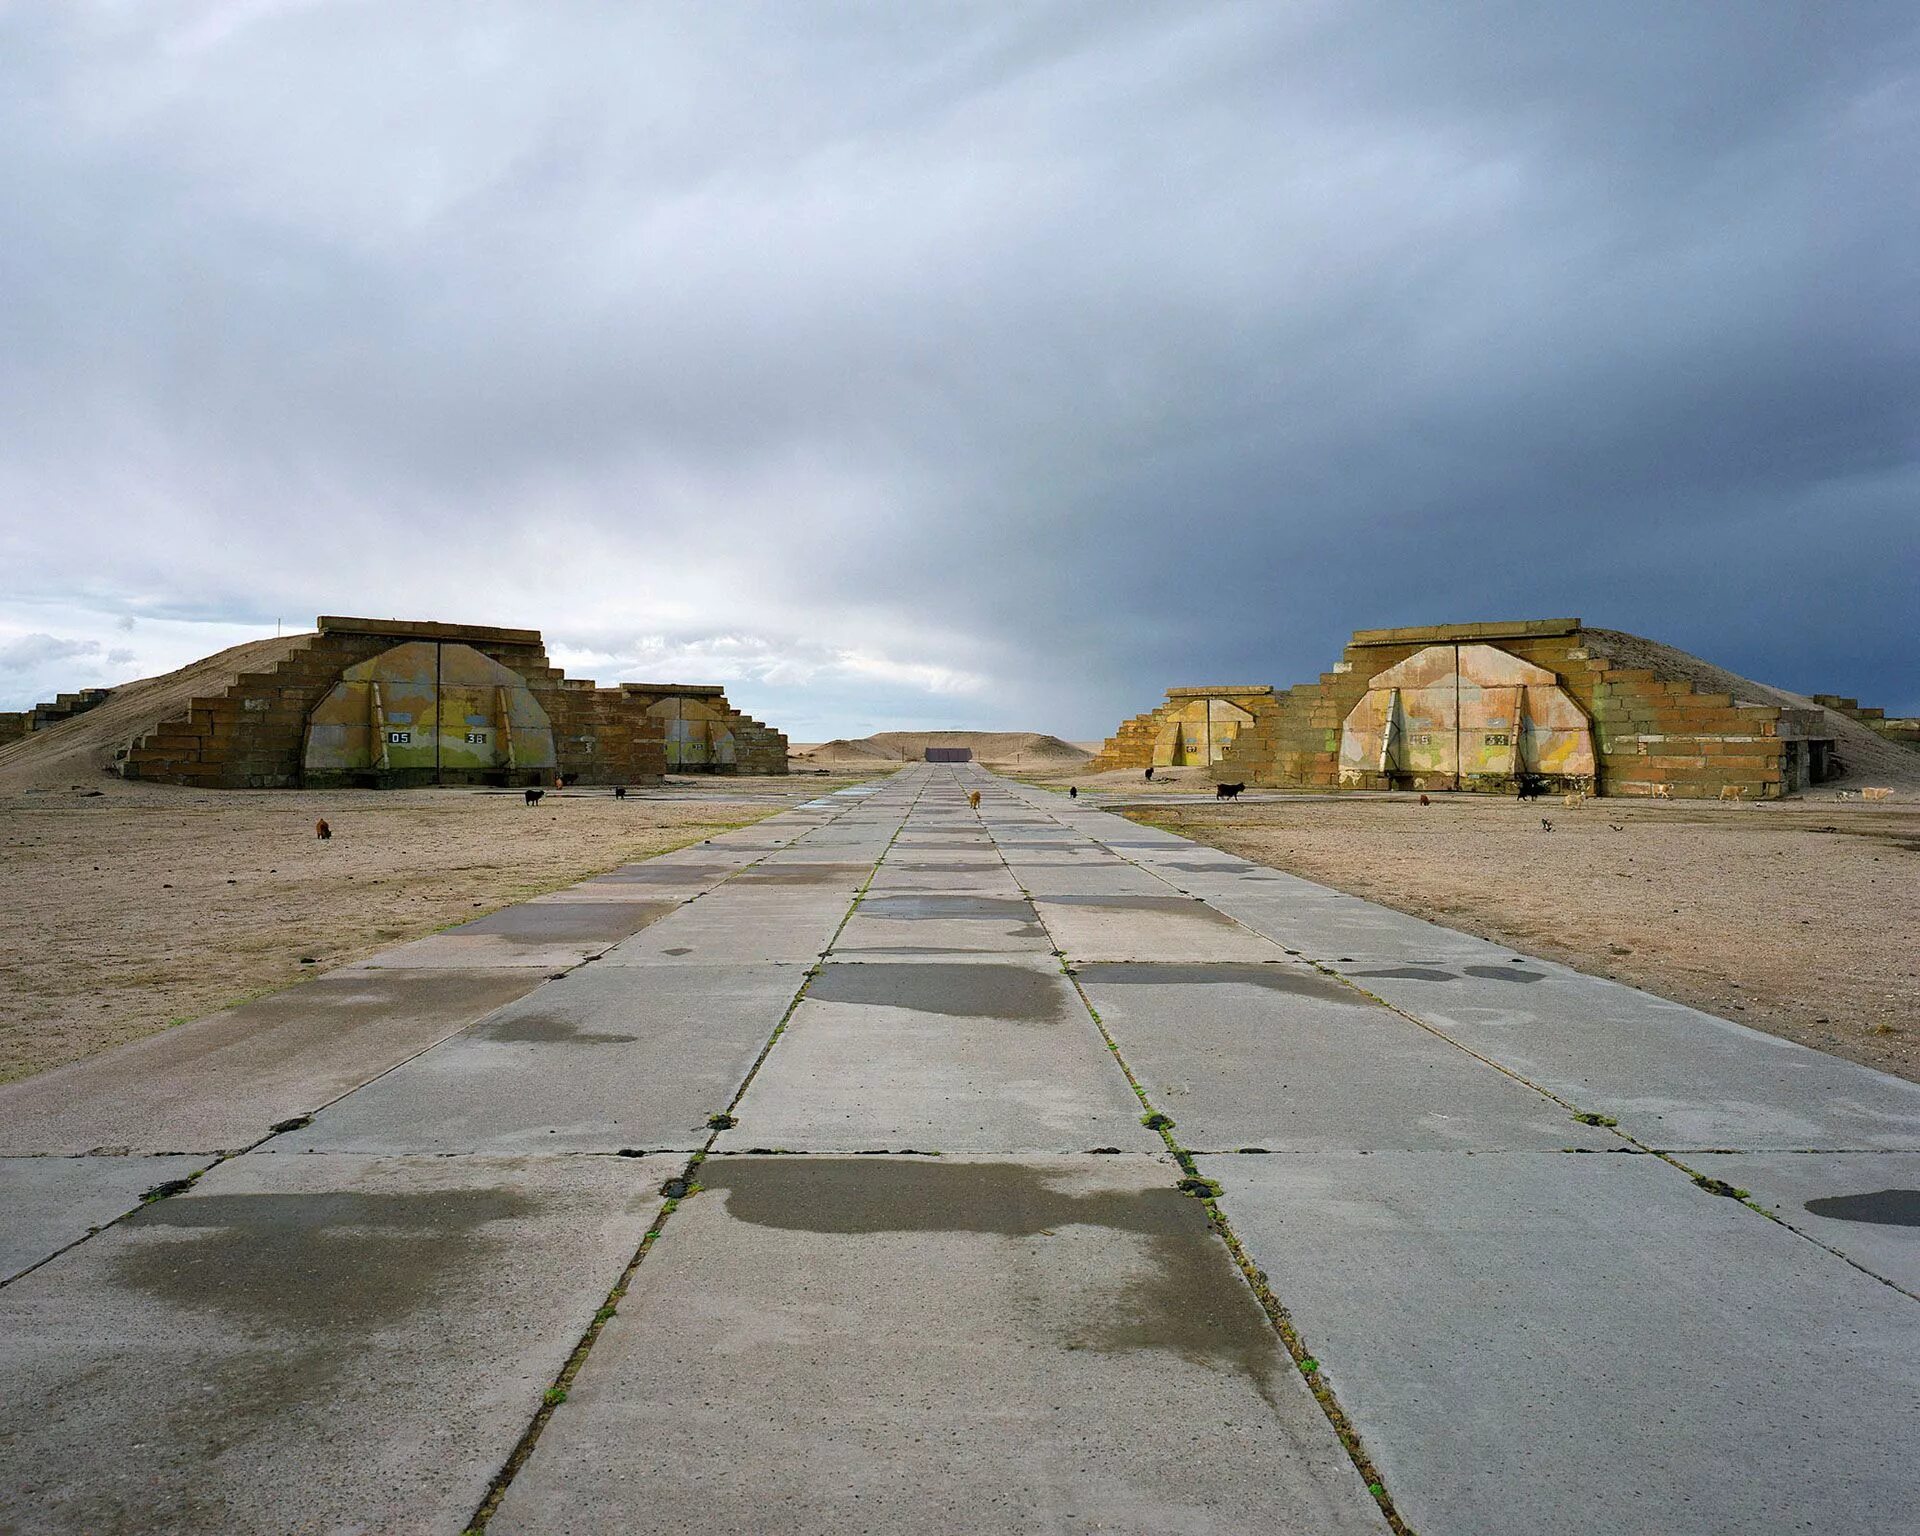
(49, 1202)
(306, 1343)
(1538, 1342)
(749, 928)
(1674, 1076)
(945, 1056)
(1865, 1205)
(225, 1081)
(937, 1346)
(1265, 1056)
(599, 1061)
(941, 921)
(1120, 926)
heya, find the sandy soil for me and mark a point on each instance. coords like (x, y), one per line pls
(1796, 917)
(145, 905)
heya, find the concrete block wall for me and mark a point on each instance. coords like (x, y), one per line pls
(1132, 746)
(1653, 733)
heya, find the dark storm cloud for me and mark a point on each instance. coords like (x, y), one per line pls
(981, 365)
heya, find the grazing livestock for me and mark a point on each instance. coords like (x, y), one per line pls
(534, 796)
(322, 831)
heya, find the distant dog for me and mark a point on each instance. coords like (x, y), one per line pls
(1425, 801)
(534, 796)
(322, 831)
(1532, 786)
(1149, 775)
(619, 791)
(1073, 791)
(1227, 791)
(973, 798)
(1545, 825)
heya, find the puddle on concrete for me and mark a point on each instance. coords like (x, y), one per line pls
(907, 907)
(545, 1029)
(332, 1260)
(1191, 1303)
(1201, 867)
(1882, 1208)
(1423, 973)
(977, 991)
(1293, 980)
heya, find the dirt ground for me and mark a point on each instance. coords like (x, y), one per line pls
(145, 905)
(1798, 917)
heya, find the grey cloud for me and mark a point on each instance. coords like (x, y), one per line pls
(1082, 348)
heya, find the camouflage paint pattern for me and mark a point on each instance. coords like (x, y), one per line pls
(1455, 712)
(1199, 732)
(410, 709)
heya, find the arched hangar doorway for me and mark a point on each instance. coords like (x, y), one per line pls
(1464, 717)
(428, 712)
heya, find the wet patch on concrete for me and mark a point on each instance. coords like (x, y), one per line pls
(530, 1028)
(803, 874)
(910, 907)
(665, 874)
(560, 921)
(1178, 906)
(1190, 1302)
(1296, 981)
(1882, 1208)
(1424, 973)
(1204, 867)
(313, 1261)
(978, 990)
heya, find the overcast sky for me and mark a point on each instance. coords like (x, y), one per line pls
(984, 365)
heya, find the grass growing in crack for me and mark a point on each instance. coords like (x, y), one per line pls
(553, 1397)
(1715, 1186)
(1590, 1118)
(1157, 1121)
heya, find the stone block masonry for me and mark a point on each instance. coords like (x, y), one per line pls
(523, 722)
(1654, 724)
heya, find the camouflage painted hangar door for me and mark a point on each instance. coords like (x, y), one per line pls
(1464, 714)
(1199, 732)
(429, 711)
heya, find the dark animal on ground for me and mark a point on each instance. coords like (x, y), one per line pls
(1073, 791)
(619, 791)
(534, 796)
(1227, 791)
(322, 831)
(1149, 775)
(1532, 786)
(1425, 801)
(1545, 825)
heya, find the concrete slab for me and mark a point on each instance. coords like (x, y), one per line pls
(604, 1060)
(1535, 1342)
(545, 922)
(48, 1202)
(482, 952)
(942, 920)
(1167, 928)
(1674, 1076)
(940, 1056)
(1865, 1205)
(307, 1343)
(941, 1347)
(1264, 1056)
(223, 1082)
(705, 933)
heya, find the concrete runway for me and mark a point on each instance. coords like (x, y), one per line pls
(894, 1166)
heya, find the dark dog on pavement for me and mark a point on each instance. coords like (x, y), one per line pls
(1227, 791)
